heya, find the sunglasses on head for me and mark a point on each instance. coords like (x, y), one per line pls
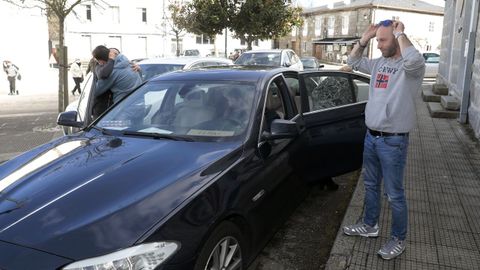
(385, 23)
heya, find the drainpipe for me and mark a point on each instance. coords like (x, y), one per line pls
(469, 57)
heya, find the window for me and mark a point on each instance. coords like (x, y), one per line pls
(115, 14)
(328, 91)
(361, 89)
(318, 25)
(345, 21)
(274, 105)
(88, 12)
(431, 27)
(305, 29)
(202, 39)
(331, 25)
(143, 14)
(115, 42)
(244, 42)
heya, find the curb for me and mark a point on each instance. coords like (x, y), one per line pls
(342, 249)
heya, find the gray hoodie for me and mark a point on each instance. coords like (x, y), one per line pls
(393, 86)
(121, 81)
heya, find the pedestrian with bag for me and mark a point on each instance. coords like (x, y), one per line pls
(77, 74)
(12, 72)
(389, 116)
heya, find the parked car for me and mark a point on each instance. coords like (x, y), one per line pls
(192, 169)
(197, 52)
(310, 62)
(149, 68)
(431, 64)
(275, 58)
(155, 66)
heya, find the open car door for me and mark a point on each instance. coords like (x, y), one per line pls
(332, 106)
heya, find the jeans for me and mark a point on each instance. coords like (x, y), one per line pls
(385, 157)
(11, 80)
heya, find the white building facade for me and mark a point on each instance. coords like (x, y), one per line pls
(24, 46)
(139, 29)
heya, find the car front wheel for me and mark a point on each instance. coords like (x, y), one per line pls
(222, 250)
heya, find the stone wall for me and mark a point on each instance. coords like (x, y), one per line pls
(474, 108)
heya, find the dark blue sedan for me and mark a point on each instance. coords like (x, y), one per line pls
(192, 170)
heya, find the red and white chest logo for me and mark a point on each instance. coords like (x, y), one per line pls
(381, 80)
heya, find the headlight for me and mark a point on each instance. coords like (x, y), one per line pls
(145, 256)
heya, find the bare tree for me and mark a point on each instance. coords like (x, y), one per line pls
(178, 22)
(57, 12)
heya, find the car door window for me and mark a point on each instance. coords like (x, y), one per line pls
(274, 105)
(294, 91)
(287, 59)
(84, 99)
(361, 89)
(327, 91)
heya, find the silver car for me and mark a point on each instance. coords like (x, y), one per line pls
(431, 64)
(155, 66)
(277, 58)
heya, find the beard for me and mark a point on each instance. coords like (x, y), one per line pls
(390, 51)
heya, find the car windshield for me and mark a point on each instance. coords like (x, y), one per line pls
(308, 63)
(151, 70)
(432, 59)
(259, 58)
(200, 110)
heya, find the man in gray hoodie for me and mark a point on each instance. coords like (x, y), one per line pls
(389, 116)
(121, 81)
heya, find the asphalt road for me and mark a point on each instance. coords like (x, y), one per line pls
(26, 121)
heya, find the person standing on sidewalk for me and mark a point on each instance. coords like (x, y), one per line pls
(12, 73)
(77, 74)
(389, 116)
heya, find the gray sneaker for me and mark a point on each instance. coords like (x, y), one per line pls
(361, 229)
(392, 249)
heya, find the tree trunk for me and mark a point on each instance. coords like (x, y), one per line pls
(62, 68)
(177, 38)
(215, 49)
(249, 44)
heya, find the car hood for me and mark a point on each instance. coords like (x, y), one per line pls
(89, 194)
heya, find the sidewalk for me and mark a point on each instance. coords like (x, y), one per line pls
(442, 183)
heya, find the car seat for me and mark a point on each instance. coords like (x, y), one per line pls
(193, 110)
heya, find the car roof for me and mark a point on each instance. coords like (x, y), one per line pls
(267, 51)
(182, 60)
(223, 73)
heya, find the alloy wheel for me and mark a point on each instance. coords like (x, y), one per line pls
(225, 256)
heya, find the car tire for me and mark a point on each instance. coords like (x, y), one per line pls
(224, 246)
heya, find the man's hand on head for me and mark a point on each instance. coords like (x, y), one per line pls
(369, 34)
(398, 27)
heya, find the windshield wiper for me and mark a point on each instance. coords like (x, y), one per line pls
(103, 130)
(158, 135)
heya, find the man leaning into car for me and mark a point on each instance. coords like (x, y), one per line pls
(121, 81)
(389, 117)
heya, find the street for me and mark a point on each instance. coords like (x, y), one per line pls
(27, 120)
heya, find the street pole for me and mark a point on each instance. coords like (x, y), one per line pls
(226, 31)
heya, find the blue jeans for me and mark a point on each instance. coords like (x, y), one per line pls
(385, 157)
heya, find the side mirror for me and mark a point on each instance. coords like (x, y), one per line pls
(69, 119)
(320, 66)
(281, 129)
